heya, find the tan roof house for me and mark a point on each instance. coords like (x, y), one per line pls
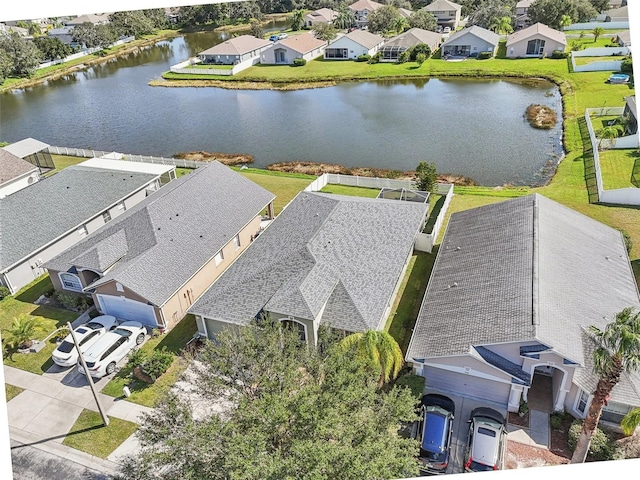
(354, 44)
(447, 13)
(535, 41)
(393, 48)
(522, 17)
(469, 42)
(153, 261)
(243, 50)
(283, 52)
(323, 15)
(15, 173)
(96, 19)
(362, 9)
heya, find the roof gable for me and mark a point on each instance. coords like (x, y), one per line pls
(303, 43)
(537, 29)
(364, 38)
(361, 5)
(237, 46)
(442, 5)
(12, 166)
(413, 37)
(476, 31)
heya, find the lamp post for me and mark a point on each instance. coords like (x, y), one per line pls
(105, 419)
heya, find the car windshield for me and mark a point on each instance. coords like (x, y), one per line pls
(123, 332)
(65, 347)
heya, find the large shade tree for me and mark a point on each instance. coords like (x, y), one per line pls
(424, 20)
(290, 410)
(383, 19)
(617, 351)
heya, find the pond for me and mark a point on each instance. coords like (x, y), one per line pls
(469, 127)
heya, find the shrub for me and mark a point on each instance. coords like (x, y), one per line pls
(4, 292)
(73, 301)
(557, 54)
(363, 58)
(602, 446)
(558, 419)
(376, 58)
(136, 358)
(158, 363)
(49, 292)
(628, 242)
(485, 55)
(426, 176)
(299, 62)
(627, 66)
(523, 409)
(413, 382)
(418, 49)
(22, 332)
(94, 313)
(404, 56)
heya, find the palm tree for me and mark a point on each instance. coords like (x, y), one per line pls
(617, 351)
(380, 349)
(399, 24)
(608, 132)
(565, 21)
(596, 32)
(297, 19)
(22, 331)
(345, 19)
(631, 421)
(501, 25)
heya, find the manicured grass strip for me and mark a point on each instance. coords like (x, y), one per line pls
(89, 434)
(409, 299)
(351, 191)
(64, 161)
(148, 394)
(616, 167)
(11, 391)
(283, 187)
(50, 318)
(183, 171)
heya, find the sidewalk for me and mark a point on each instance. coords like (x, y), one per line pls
(45, 411)
(538, 433)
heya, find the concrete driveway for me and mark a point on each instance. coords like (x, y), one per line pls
(464, 407)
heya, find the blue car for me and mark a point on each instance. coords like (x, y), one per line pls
(274, 38)
(435, 427)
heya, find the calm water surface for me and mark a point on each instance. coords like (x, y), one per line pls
(474, 128)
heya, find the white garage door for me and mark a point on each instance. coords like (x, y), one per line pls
(467, 385)
(127, 309)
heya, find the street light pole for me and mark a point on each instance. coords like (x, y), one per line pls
(105, 419)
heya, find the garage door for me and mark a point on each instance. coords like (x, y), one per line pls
(467, 385)
(127, 309)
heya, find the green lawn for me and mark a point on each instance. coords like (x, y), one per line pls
(285, 187)
(587, 60)
(616, 167)
(351, 191)
(148, 394)
(90, 435)
(50, 318)
(205, 66)
(64, 161)
(11, 391)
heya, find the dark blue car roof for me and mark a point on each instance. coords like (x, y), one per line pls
(436, 428)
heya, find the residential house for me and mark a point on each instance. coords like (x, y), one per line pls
(321, 16)
(392, 49)
(361, 9)
(283, 52)
(513, 290)
(114, 161)
(33, 151)
(243, 50)
(51, 215)
(95, 19)
(630, 116)
(470, 41)
(616, 14)
(405, 13)
(326, 259)
(447, 13)
(522, 17)
(354, 44)
(64, 34)
(15, 173)
(535, 41)
(152, 262)
(623, 38)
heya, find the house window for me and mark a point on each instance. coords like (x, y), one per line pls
(614, 412)
(296, 327)
(70, 282)
(106, 216)
(218, 258)
(582, 401)
(82, 231)
(119, 287)
(236, 241)
(535, 47)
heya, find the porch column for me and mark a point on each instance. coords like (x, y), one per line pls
(559, 405)
(514, 398)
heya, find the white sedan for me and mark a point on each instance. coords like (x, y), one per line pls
(66, 354)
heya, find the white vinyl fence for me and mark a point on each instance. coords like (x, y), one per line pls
(621, 196)
(613, 65)
(603, 25)
(84, 53)
(86, 153)
(187, 67)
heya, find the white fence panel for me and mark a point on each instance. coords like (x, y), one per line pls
(604, 25)
(621, 196)
(602, 52)
(599, 66)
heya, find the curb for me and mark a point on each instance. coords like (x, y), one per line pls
(91, 462)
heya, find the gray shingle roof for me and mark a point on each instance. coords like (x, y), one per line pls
(528, 269)
(413, 37)
(482, 33)
(161, 242)
(12, 166)
(37, 215)
(537, 29)
(343, 253)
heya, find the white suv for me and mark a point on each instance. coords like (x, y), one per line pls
(102, 356)
(66, 354)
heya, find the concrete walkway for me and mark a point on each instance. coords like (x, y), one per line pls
(45, 411)
(537, 435)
